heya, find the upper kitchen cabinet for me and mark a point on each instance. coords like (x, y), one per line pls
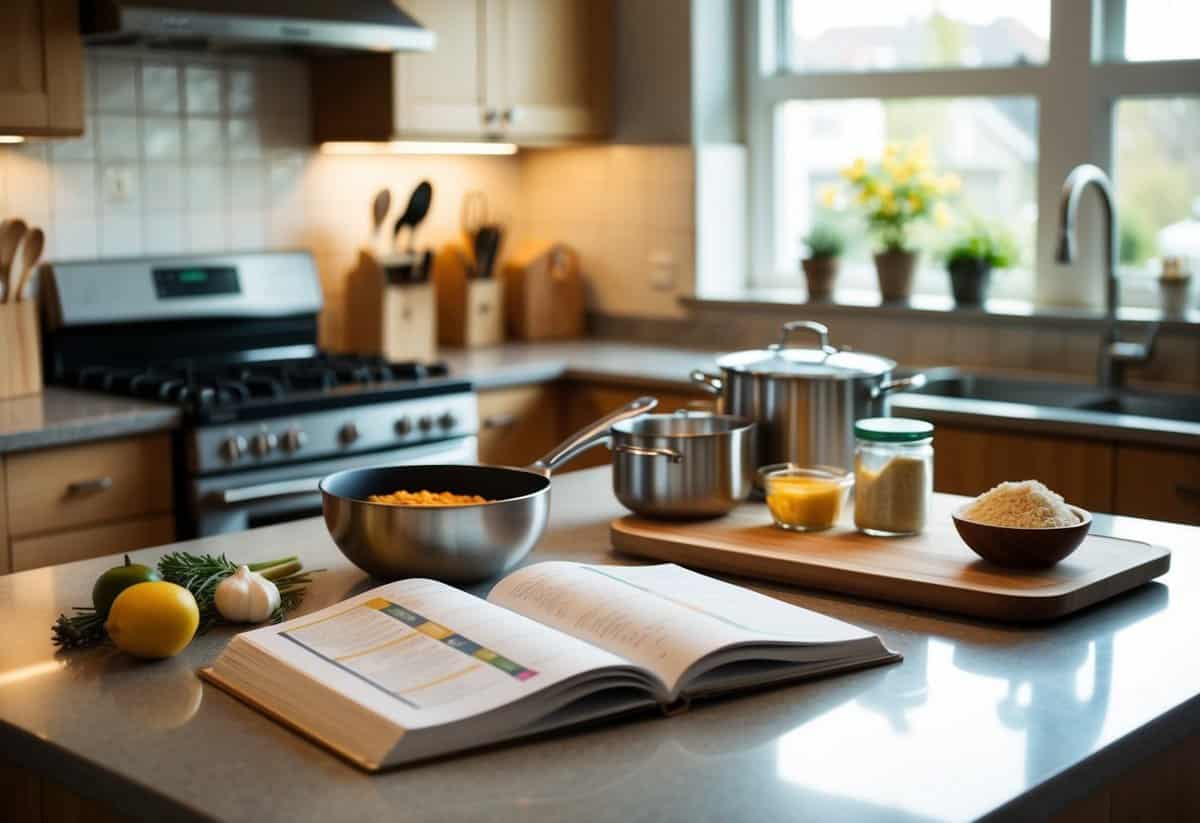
(41, 68)
(530, 71)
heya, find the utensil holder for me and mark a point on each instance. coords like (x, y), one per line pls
(20, 351)
(544, 294)
(470, 309)
(392, 307)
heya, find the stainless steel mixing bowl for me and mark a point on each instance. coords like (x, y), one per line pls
(457, 544)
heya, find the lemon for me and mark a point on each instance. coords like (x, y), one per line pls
(152, 620)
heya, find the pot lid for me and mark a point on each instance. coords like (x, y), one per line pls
(783, 360)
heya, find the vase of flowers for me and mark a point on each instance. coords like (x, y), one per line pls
(825, 244)
(972, 257)
(896, 194)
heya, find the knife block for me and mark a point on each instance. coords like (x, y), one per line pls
(392, 308)
(470, 311)
(20, 350)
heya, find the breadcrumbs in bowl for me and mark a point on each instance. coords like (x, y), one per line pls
(1024, 505)
(1022, 526)
(427, 498)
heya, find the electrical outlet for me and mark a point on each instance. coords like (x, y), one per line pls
(118, 184)
(663, 270)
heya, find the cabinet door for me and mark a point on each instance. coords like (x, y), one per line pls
(550, 66)
(1159, 484)
(93, 541)
(440, 93)
(518, 425)
(41, 68)
(971, 461)
(5, 560)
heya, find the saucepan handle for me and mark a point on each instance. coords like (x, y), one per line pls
(590, 436)
(917, 381)
(709, 382)
(641, 451)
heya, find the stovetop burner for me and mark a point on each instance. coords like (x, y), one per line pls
(206, 390)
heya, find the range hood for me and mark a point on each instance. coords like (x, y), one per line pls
(359, 25)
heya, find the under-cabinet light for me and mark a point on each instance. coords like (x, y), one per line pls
(11, 138)
(419, 147)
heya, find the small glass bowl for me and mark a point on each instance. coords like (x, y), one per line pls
(806, 499)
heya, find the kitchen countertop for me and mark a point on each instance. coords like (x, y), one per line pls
(979, 719)
(60, 416)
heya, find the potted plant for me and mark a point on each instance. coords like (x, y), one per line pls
(972, 257)
(896, 194)
(825, 243)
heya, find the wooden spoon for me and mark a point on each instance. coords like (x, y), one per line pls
(10, 238)
(31, 252)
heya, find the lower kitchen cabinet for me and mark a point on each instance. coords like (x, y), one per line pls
(518, 425)
(87, 500)
(970, 461)
(1160, 484)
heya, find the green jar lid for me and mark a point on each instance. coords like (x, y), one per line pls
(892, 430)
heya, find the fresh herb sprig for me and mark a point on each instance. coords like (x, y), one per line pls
(199, 574)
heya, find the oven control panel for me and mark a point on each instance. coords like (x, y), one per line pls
(322, 434)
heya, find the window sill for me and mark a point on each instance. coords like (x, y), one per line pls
(936, 307)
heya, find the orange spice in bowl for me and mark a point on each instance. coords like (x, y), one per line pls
(426, 498)
(807, 499)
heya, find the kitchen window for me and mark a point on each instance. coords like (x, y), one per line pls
(1008, 96)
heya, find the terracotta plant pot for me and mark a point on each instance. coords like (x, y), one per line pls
(895, 268)
(970, 281)
(820, 272)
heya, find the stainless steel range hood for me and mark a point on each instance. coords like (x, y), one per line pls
(360, 25)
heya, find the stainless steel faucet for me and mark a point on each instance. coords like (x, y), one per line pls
(1115, 354)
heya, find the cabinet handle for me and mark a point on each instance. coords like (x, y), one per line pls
(510, 114)
(490, 116)
(82, 487)
(499, 421)
(1190, 492)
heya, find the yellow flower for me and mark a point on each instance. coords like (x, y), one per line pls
(942, 216)
(949, 183)
(829, 196)
(903, 173)
(892, 150)
(915, 203)
(885, 191)
(856, 170)
(887, 206)
(926, 179)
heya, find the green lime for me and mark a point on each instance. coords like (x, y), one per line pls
(118, 579)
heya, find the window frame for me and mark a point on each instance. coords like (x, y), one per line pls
(1076, 92)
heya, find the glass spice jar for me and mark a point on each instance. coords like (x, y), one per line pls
(893, 475)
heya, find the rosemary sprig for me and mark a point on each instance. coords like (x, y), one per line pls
(200, 575)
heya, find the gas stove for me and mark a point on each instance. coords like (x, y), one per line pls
(232, 341)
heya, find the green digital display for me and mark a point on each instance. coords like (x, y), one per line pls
(193, 276)
(196, 281)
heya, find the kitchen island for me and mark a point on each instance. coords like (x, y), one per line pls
(1086, 717)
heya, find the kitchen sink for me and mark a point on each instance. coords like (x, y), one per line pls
(952, 383)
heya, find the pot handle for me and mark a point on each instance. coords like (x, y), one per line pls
(590, 436)
(917, 381)
(641, 451)
(709, 382)
(819, 329)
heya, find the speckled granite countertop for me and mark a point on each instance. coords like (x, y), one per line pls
(59, 416)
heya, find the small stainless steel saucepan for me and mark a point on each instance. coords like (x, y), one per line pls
(687, 465)
(457, 544)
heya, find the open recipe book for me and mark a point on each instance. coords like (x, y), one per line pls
(416, 668)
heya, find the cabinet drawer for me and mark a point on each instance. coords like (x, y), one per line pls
(517, 426)
(65, 488)
(1158, 484)
(97, 541)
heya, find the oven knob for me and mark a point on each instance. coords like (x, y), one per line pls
(294, 440)
(425, 423)
(233, 447)
(348, 434)
(447, 421)
(404, 426)
(263, 444)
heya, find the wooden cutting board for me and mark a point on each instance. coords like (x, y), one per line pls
(934, 570)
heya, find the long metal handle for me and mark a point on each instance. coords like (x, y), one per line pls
(709, 382)
(907, 384)
(642, 451)
(97, 484)
(266, 491)
(820, 329)
(590, 436)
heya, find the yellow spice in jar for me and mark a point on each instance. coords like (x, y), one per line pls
(809, 503)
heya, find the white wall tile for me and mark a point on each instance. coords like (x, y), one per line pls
(240, 90)
(162, 138)
(204, 140)
(118, 137)
(162, 188)
(116, 85)
(207, 232)
(83, 148)
(75, 189)
(202, 89)
(160, 88)
(120, 236)
(163, 233)
(204, 188)
(120, 188)
(247, 231)
(247, 185)
(73, 238)
(245, 142)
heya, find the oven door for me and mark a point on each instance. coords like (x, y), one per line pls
(247, 499)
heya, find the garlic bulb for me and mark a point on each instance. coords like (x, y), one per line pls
(246, 597)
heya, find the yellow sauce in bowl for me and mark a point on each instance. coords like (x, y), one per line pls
(807, 499)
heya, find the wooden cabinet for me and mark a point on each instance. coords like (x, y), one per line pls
(41, 68)
(75, 502)
(518, 425)
(522, 70)
(1157, 483)
(970, 461)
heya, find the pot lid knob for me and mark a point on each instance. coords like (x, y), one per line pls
(820, 329)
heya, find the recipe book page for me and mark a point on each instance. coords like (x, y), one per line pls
(664, 617)
(421, 653)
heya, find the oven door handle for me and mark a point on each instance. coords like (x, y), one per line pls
(265, 491)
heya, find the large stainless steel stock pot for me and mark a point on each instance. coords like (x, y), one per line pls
(805, 400)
